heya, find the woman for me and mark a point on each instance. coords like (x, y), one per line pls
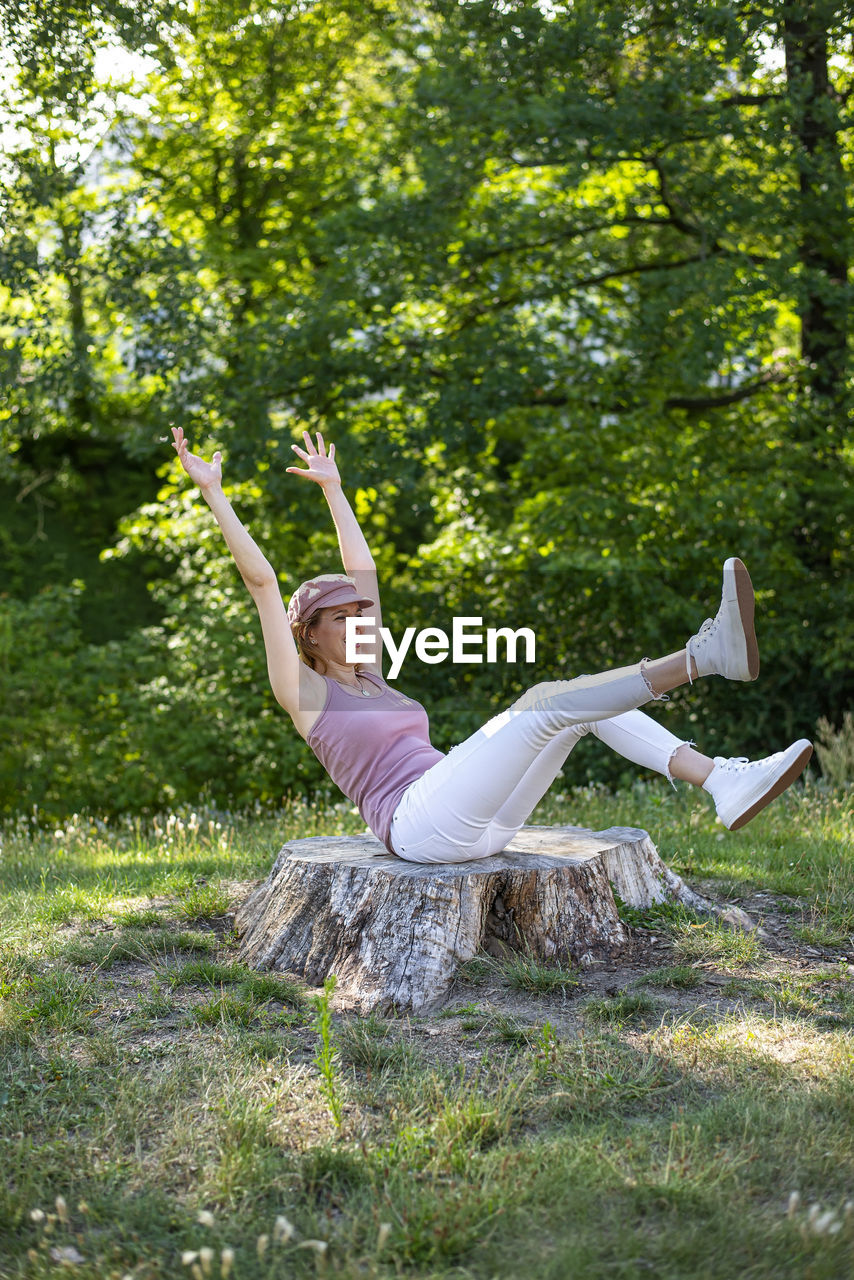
(375, 743)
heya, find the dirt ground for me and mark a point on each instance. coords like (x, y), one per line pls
(461, 1029)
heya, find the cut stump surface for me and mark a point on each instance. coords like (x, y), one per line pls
(395, 932)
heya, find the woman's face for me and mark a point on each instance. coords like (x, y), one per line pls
(330, 634)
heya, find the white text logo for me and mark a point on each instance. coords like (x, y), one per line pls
(432, 644)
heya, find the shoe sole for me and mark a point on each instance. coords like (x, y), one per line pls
(746, 607)
(785, 780)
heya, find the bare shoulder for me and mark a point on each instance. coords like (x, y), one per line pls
(312, 693)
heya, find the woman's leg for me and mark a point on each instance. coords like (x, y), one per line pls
(446, 815)
(633, 735)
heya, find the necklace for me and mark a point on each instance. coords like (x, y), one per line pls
(358, 685)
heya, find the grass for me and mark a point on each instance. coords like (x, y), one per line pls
(527, 973)
(620, 1008)
(518, 970)
(680, 977)
(710, 941)
(163, 1113)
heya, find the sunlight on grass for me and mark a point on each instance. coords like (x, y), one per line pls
(158, 1080)
(714, 942)
(736, 1044)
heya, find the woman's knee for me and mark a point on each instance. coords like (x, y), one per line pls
(539, 694)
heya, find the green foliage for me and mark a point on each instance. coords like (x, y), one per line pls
(327, 1058)
(567, 286)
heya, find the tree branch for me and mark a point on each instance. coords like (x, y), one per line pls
(572, 233)
(747, 100)
(647, 266)
(721, 400)
(669, 201)
(717, 400)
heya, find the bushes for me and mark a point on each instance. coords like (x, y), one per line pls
(142, 723)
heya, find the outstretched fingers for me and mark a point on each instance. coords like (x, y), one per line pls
(314, 450)
(316, 457)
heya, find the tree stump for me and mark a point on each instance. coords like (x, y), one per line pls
(395, 932)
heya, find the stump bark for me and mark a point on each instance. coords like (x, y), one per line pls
(394, 932)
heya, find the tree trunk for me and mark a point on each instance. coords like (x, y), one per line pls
(823, 214)
(395, 932)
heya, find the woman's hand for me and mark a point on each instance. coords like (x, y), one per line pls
(321, 465)
(207, 475)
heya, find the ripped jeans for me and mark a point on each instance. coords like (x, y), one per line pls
(471, 804)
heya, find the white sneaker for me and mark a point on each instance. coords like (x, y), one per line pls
(726, 645)
(741, 787)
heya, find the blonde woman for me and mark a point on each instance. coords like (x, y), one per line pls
(375, 742)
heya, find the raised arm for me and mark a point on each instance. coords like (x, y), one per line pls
(283, 664)
(355, 553)
(322, 468)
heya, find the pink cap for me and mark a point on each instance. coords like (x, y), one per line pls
(323, 592)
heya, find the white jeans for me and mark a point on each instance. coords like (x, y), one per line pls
(471, 804)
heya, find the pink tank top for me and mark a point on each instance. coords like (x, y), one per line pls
(373, 748)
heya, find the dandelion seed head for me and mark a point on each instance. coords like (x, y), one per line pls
(206, 1257)
(283, 1230)
(226, 1262)
(205, 1218)
(36, 1215)
(317, 1246)
(188, 1257)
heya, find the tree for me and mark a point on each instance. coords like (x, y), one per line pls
(625, 242)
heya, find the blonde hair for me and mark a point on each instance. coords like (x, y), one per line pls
(300, 634)
(310, 656)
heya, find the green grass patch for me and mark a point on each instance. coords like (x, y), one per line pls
(203, 902)
(527, 973)
(371, 1043)
(620, 1008)
(821, 935)
(261, 987)
(594, 1074)
(711, 942)
(477, 971)
(144, 946)
(139, 918)
(680, 977)
(159, 1099)
(660, 915)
